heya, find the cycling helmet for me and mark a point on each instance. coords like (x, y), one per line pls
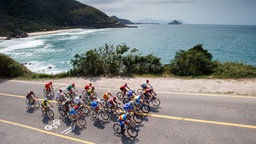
(73, 84)
(45, 98)
(93, 87)
(50, 82)
(90, 84)
(147, 81)
(31, 92)
(125, 84)
(60, 90)
(98, 100)
(80, 96)
(109, 92)
(132, 102)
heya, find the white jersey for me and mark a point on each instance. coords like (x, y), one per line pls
(77, 100)
(59, 94)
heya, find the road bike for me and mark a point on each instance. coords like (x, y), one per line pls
(49, 92)
(49, 113)
(102, 112)
(130, 128)
(33, 103)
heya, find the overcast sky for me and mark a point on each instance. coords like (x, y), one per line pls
(240, 12)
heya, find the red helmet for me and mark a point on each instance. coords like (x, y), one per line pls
(76, 107)
(90, 84)
(125, 84)
(31, 92)
(93, 87)
(50, 82)
(60, 90)
(73, 84)
(147, 81)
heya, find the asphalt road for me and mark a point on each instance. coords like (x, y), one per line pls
(180, 119)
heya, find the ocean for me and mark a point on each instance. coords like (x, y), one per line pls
(52, 53)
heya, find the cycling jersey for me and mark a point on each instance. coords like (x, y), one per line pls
(137, 99)
(122, 119)
(44, 103)
(129, 94)
(128, 106)
(70, 87)
(76, 100)
(72, 112)
(105, 96)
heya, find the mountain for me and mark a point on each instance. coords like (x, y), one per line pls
(175, 22)
(40, 15)
(124, 21)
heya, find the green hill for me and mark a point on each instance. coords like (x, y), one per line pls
(11, 68)
(40, 15)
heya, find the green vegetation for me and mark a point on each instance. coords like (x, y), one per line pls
(122, 60)
(108, 60)
(11, 68)
(41, 15)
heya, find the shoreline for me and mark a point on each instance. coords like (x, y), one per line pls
(42, 33)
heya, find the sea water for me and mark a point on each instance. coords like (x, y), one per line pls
(52, 53)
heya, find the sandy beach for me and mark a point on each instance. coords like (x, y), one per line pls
(244, 87)
(53, 32)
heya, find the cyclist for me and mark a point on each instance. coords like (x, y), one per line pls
(48, 87)
(106, 95)
(70, 87)
(130, 95)
(44, 104)
(122, 119)
(137, 100)
(95, 105)
(88, 86)
(66, 106)
(73, 113)
(145, 85)
(77, 99)
(112, 102)
(148, 93)
(124, 88)
(89, 93)
(128, 107)
(60, 94)
(31, 97)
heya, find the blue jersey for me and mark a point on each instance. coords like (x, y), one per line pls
(129, 94)
(94, 104)
(128, 106)
(72, 111)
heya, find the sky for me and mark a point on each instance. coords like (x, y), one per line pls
(235, 12)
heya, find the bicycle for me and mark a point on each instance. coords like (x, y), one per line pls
(103, 113)
(154, 100)
(60, 99)
(143, 107)
(93, 94)
(49, 113)
(130, 128)
(116, 109)
(49, 92)
(34, 104)
(121, 95)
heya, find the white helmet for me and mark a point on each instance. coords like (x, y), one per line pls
(45, 98)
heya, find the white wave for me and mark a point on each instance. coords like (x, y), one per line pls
(41, 67)
(21, 45)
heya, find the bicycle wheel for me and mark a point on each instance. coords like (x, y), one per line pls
(85, 110)
(103, 102)
(145, 108)
(120, 95)
(94, 94)
(81, 121)
(132, 132)
(36, 104)
(27, 102)
(45, 92)
(92, 113)
(104, 115)
(119, 111)
(117, 128)
(125, 100)
(58, 100)
(137, 118)
(50, 114)
(62, 112)
(43, 112)
(84, 93)
(51, 93)
(155, 101)
(139, 91)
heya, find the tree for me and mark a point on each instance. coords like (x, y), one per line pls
(194, 62)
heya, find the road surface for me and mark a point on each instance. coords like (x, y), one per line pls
(181, 118)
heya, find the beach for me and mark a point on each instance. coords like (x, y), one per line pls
(240, 87)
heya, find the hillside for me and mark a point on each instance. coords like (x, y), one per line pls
(124, 21)
(41, 15)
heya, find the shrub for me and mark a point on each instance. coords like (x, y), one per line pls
(194, 62)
